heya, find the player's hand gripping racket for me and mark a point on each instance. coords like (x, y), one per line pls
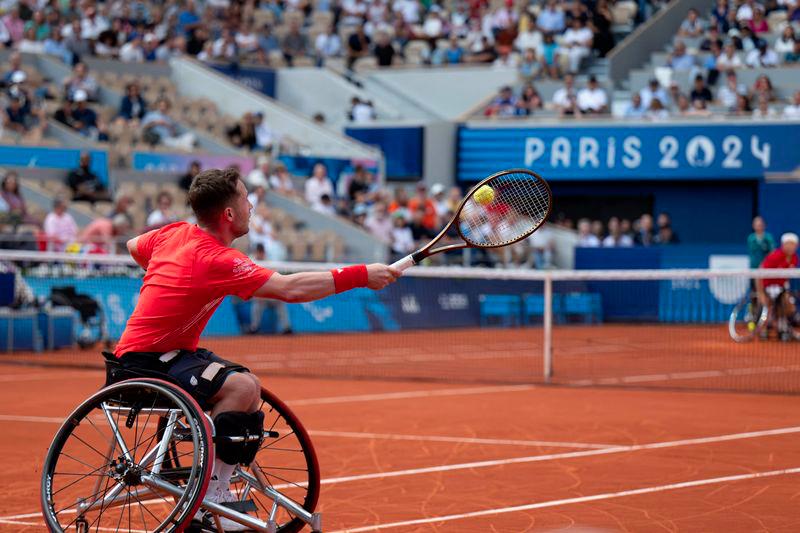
(502, 209)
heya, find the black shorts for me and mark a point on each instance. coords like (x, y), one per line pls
(201, 373)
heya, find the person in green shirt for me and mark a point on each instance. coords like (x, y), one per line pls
(759, 243)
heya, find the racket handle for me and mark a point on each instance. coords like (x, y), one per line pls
(404, 263)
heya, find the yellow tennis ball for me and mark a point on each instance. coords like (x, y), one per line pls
(484, 195)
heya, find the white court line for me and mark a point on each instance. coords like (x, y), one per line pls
(429, 393)
(674, 376)
(46, 376)
(569, 501)
(459, 440)
(42, 524)
(565, 455)
(531, 459)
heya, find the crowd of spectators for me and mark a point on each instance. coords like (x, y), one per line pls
(255, 31)
(731, 38)
(567, 101)
(622, 232)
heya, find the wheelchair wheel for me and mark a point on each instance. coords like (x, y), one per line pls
(747, 319)
(286, 464)
(136, 456)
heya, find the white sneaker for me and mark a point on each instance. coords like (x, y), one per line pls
(219, 492)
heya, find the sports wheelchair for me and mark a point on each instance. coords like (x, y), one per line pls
(750, 319)
(138, 456)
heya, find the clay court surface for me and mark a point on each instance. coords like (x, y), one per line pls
(416, 455)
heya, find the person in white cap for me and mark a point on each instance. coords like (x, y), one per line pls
(775, 291)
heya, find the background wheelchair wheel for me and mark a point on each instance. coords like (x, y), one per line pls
(89, 483)
(747, 319)
(286, 462)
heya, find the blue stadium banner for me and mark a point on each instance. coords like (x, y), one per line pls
(656, 151)
(42, 157)
(257, 78)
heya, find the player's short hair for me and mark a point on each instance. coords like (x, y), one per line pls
(212, 191)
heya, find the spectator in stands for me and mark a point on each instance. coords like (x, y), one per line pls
(529, 101)
(185, 181)
(680, 59)
(762, 57)
(692, 25)
(729, 59)
(243, 133)
(159, 128)
(683, 105)
(743, 108)
(327, 45)
(294, 43)
(379, 223)
(636, 108)
(357, 46)
(721, 16)
(86, 186)
(644, 233)
(17, 210)
(505, 59)
(21, 118)
(326, 206)
(577, 42)
(712, 39)
(565, 98)
(592, 99)
(163, 213)
(665, 236)
(763, 87)
(259, 176)
(729, 93)
(132, 51)
(266, 138)
(551, 18)
(653, 90)
(452, 55)
(586, 239)
(281, 182)
(80, 79)
(550, 53)
(530, 67)
(792, 111)
(657, 111)
(102, 233)
(793, 57)
(600, 24)
(14, 24)
(763, 109)
(84, 119)
(318, 185)
(423, 204)
(700, 91)
(504, 105)
(747, 10)
(59, 227)
(615, 237)
(258, 196)
(225, 48)
(133, 107)
(262, 233)
(360, 182)
(785, 43)
(384, 50)
(402, 237)
(664, 220)
(14, 66)
(758, 24)
(759, 243)
(361, 111)
(420, 230)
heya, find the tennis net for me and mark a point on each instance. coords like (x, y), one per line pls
(638, 328)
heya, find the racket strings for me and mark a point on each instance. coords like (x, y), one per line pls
(520, 204)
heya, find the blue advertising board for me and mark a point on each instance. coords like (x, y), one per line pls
(403, 148)
(42, 157)
(258, 79)
(653, 152)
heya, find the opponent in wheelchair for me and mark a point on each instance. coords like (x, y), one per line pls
(776, 294)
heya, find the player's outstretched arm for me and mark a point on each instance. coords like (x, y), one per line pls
(310, 286)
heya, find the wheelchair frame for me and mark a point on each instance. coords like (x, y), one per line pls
(143, 478)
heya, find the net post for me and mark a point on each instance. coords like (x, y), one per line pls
(547, 344)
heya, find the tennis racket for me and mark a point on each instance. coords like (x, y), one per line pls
(500, 210)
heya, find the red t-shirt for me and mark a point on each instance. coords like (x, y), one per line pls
(188, 274)
(778, 259)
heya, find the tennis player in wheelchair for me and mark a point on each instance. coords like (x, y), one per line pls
(189, 271)
(775, 293)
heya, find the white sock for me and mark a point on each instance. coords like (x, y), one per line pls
(222, 473)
